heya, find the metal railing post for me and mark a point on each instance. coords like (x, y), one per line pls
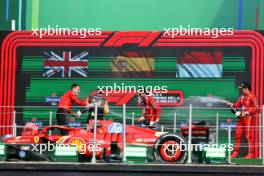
(50, 118)
(124, 133)
(133, 118)
(174, 122)
(229, 143)
(217, 128)
(14, 123)
(94, 133)
(189, 160)
(50, 121)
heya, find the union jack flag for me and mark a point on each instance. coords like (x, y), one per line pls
(66, 65)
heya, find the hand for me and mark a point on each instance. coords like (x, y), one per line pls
(151, 123)
(87, 100)
(238, 114)
(78, 114)
(140, 119)
(245, 114)
(229, 104)
(91, 105)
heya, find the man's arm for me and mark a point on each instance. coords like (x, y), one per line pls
(78, 101)
(84, 102)
(254, 108)
(106, 107)
(237, 104)
(142, 117)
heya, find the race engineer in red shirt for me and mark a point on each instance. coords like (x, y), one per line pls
(248, 107)
(66, 102)
(150, 112)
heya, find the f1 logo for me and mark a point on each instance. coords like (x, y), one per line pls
(140, 38)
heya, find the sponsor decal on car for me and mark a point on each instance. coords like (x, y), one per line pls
(139, 140)
(36, 139)
(62, 139)
(23, 147)
(78, 142)
(160, 133)
(115, 128)
(145, 140)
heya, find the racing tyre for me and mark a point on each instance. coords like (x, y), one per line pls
(170, 148)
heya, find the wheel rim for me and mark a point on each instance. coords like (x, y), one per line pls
(170, 151)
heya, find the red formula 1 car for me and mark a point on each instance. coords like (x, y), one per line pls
(165, 147)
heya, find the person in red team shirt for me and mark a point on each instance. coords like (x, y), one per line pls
(248, 106)
(150, 112)
(66, 102)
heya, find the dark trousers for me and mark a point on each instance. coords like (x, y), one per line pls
(62, 119)
(100, 114)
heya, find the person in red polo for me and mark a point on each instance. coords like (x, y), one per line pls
(248, 107)
(66, 102)
(150, 112)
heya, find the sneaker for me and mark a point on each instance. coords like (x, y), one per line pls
(234, 154)
(250, 155)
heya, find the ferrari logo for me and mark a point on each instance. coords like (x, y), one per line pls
(36, 139)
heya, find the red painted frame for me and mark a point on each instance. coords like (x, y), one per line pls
(123, 98)
(246, 38)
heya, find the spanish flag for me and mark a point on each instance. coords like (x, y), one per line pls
(133, 64)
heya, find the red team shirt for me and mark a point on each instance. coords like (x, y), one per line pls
(68, 99)
(247, 103)
(152, 109)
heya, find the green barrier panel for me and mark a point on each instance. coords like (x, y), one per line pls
(3, 151)
(65, 154)
(214, 155)
(137, 154)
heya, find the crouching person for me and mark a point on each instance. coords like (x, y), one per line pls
(150, 112)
